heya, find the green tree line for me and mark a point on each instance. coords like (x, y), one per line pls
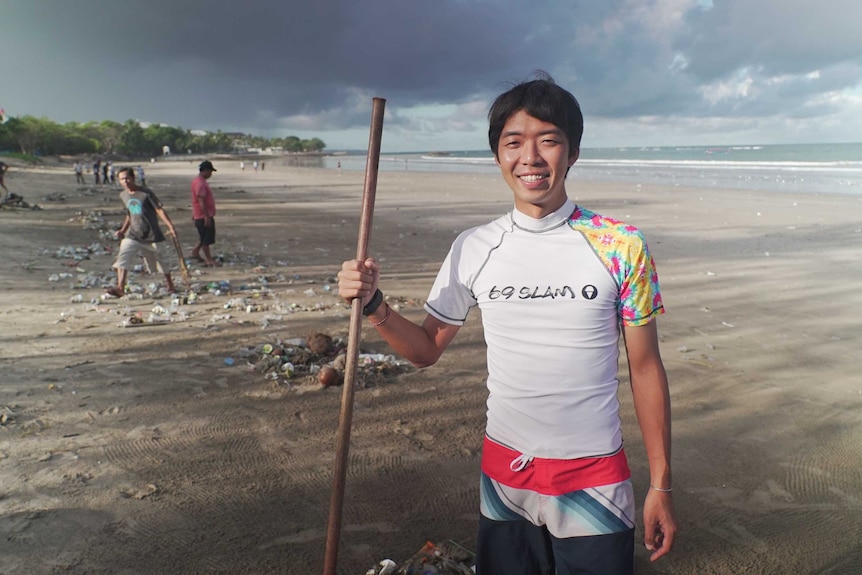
(42, 136)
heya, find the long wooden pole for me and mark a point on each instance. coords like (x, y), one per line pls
(336, 502)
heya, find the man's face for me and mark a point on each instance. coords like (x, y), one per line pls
(206, 174)
(534, 157)
(127, 181)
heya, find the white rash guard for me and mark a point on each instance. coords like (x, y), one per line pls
(552, 294)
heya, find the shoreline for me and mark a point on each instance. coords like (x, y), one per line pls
(843, 178)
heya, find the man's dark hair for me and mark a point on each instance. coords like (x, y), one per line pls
(543, 99)
(129, 171)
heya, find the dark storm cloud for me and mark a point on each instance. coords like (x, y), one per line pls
(296, 57)
(313, 65)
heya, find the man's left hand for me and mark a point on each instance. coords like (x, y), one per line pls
(660, 526)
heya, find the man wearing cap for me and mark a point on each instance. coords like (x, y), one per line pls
(203, 213)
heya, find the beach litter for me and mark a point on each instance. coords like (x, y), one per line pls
(158, 315)
(55, 197)
(447, 558)
(13, 200)
(80, 253)
(318, 360)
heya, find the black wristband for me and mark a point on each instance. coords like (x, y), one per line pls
(373, 303)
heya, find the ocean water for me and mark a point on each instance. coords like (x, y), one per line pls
(818, 168)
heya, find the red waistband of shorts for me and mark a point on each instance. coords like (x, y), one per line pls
(551, 476)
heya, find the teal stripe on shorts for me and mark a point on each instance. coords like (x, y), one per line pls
(586, 512)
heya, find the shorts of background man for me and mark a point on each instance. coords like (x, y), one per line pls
(131, 250)
(206, 234)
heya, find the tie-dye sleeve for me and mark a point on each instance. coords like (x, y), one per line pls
(640, 296)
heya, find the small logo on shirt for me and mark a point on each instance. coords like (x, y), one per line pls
(135, 207)
(537, 292)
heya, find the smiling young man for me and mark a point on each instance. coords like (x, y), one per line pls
(557, 285)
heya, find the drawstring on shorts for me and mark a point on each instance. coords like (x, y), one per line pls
(521, 462)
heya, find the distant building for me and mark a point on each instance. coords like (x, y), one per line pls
(239, 142)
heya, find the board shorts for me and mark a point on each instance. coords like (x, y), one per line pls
(521, 548)
(554, 516)
(131, 250)
(206, 234)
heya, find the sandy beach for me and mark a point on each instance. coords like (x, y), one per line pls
(140, 450)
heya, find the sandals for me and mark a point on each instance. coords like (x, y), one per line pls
(113, 292)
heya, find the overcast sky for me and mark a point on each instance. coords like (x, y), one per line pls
(646, 72)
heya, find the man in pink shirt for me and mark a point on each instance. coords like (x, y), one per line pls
(203, 213)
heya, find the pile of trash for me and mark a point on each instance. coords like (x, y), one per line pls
(447, 558)
(318, 359)
(81, 253)
(248, 299)
(55, 197)
(13, 200)
(97, 220)
(265, 300)
(158, 314)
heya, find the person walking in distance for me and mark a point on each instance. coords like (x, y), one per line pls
(203, 213)
(79, 173)
(3, 169)
(557, 286)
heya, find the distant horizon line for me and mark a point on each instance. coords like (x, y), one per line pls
(643, 147)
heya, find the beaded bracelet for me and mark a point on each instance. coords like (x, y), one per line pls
(385, 317)
(668, 490)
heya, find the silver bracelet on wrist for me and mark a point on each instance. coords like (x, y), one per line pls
(668, 490)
